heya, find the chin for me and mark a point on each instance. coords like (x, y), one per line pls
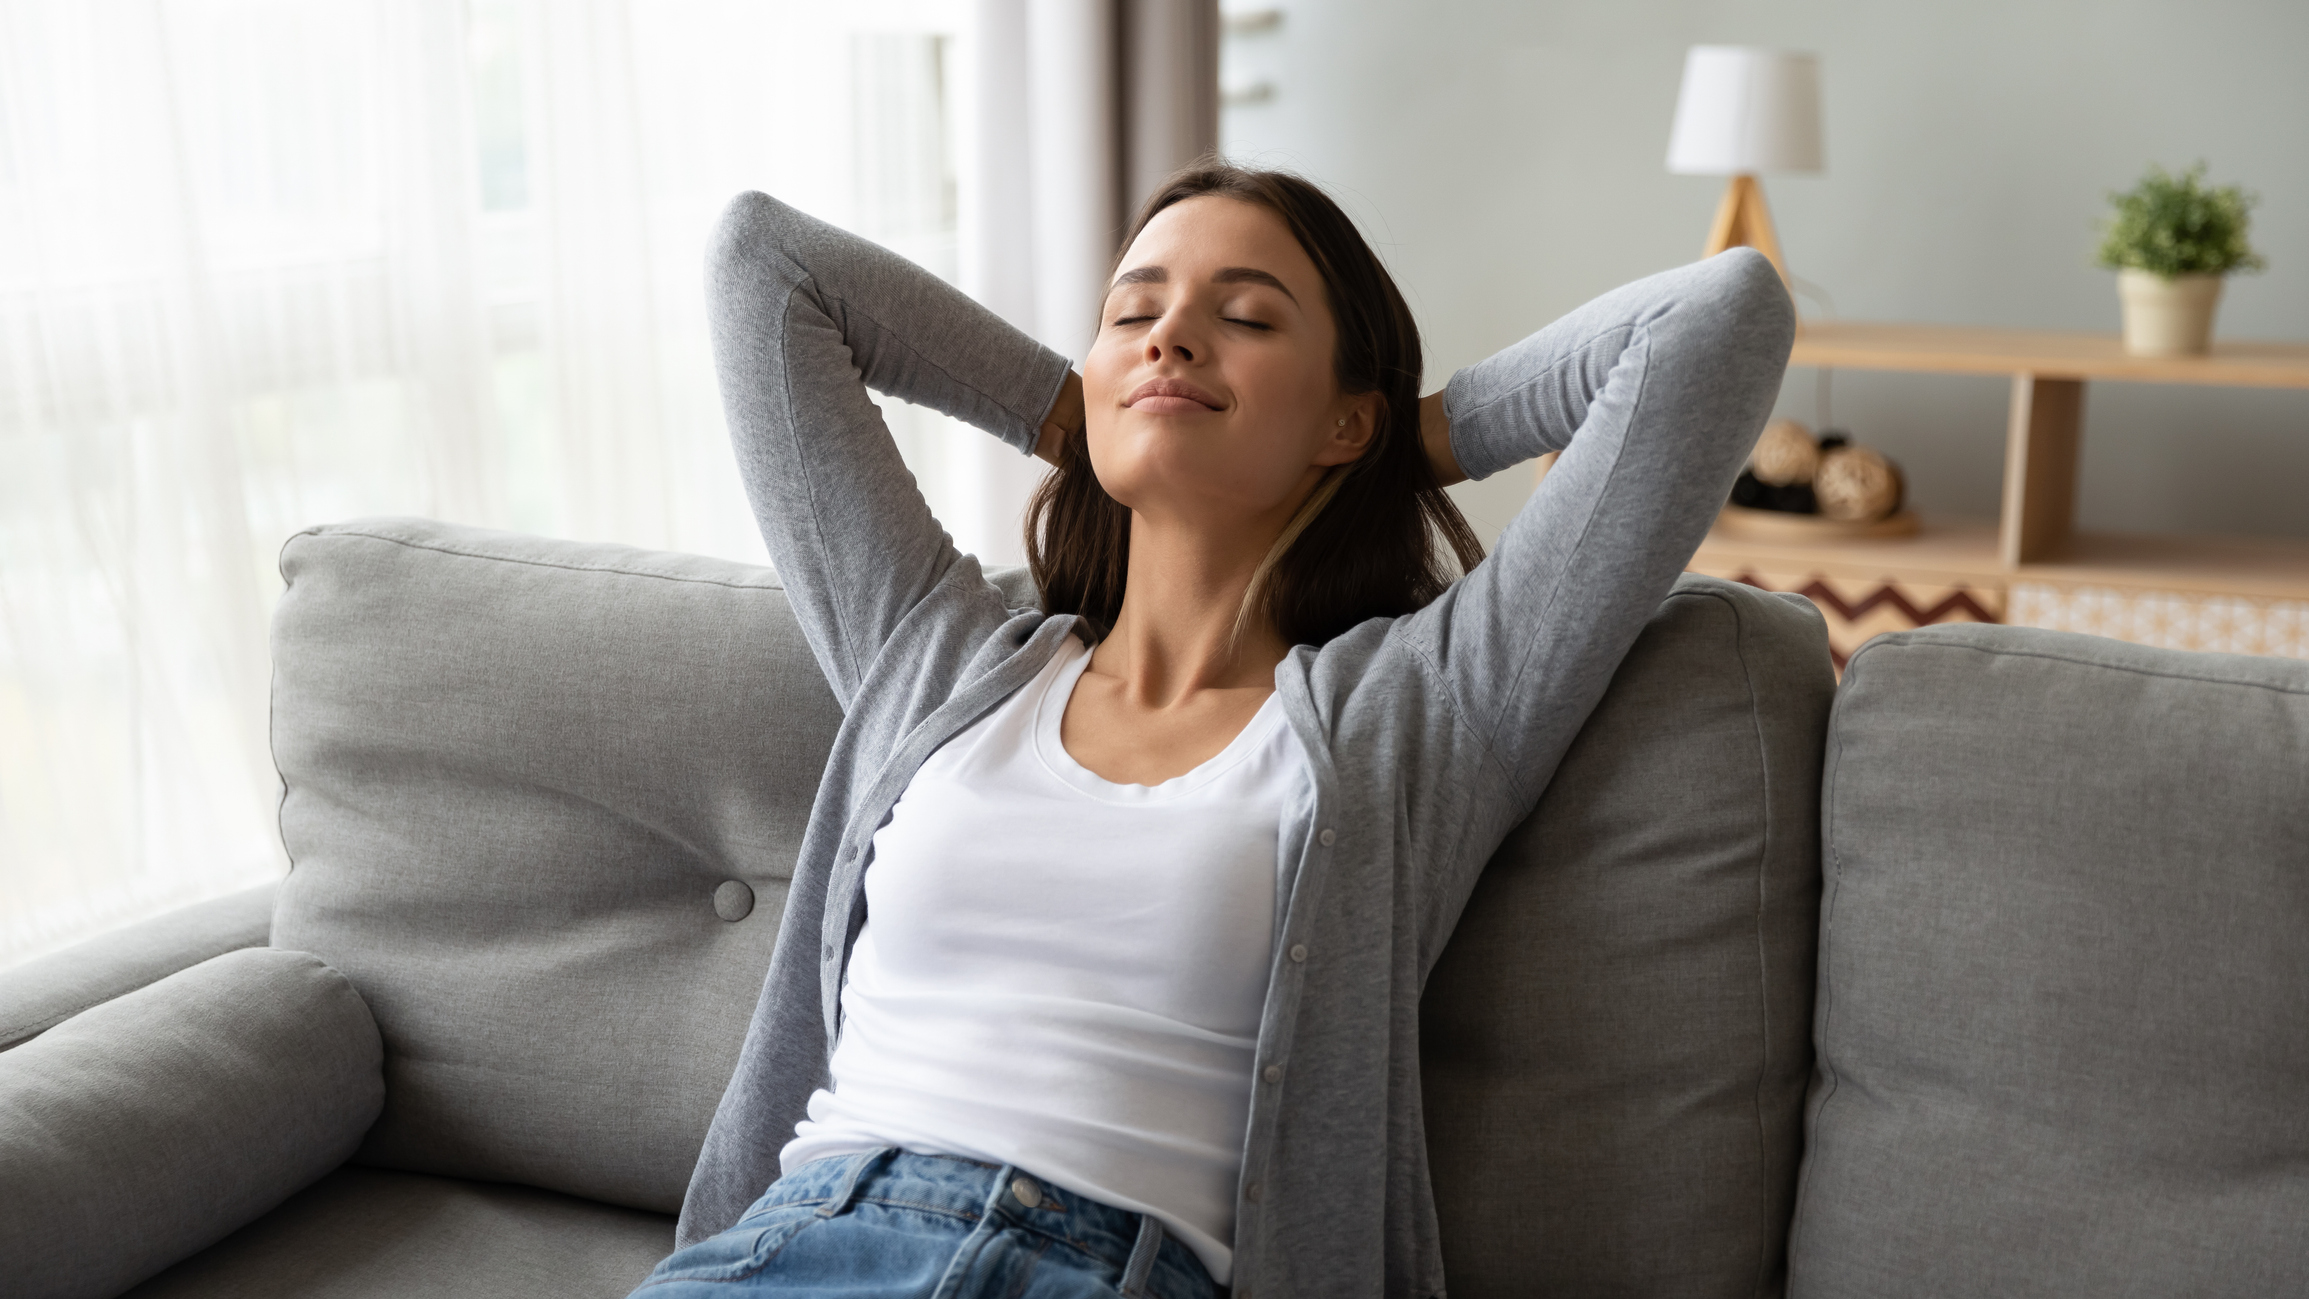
(1185, 462)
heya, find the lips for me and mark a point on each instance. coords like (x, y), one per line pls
(1171, 397)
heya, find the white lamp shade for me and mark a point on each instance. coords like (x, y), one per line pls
(1744, 109)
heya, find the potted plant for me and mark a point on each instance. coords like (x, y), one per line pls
(2170, 242)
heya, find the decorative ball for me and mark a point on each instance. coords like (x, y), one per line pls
(1785, 455)
(1857, 485)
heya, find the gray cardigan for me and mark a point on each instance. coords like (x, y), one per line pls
(1429, 736)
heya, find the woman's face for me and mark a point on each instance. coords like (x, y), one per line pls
(1210, 395)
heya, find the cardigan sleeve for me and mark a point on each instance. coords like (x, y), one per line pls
(805, 318)
(1654, 394)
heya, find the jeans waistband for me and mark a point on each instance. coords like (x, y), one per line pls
(1150, 1260)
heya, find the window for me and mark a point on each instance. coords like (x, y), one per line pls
(270, 263)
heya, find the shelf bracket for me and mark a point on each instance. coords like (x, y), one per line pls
(2040, 468)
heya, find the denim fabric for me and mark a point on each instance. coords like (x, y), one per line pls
(896, 1224)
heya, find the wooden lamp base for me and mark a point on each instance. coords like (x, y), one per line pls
(1743, 220)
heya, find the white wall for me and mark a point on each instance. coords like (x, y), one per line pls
(1506, 157)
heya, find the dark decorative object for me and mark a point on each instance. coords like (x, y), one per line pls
(1748, 490)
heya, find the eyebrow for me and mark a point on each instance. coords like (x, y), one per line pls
(1224, 275)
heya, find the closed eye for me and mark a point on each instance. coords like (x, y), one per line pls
(1132, 320)
(1252, 324)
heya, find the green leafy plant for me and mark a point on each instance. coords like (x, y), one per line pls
(2174, 225)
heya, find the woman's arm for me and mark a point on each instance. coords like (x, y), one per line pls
(806, 317)
(1653, 393)
(1065, 419)
(1435, 436)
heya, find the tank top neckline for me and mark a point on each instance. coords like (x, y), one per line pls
(1057, 687)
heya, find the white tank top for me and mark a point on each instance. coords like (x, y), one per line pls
(1066, 974)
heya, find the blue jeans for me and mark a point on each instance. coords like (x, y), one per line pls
(892, 1224)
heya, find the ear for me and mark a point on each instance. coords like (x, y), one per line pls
(1354, 426)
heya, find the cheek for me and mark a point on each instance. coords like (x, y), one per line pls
(1283, 391)
(1105, 370)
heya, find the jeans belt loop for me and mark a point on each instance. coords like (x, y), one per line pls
(1140, 1269)
(860, 1166)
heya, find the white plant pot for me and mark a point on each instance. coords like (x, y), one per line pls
(2168, 317)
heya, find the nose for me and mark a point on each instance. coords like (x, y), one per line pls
(1166, 339)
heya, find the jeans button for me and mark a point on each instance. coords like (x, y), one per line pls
(1027, 1192)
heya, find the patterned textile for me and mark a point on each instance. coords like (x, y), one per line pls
(2230, 624)
(1859, 609)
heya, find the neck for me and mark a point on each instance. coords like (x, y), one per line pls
(1175, 633)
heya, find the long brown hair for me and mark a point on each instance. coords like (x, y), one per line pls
(1364, 543)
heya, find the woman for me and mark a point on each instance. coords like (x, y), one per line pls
(1128, 1003)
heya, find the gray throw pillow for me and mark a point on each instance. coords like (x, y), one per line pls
(542, 801)
(2064, 987)
(1616, 1040)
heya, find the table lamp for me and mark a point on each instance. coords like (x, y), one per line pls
(1741, 111)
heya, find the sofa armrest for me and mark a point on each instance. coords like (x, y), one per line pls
(146, 1128)
(38, 995)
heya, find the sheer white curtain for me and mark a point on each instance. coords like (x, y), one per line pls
(267, 263)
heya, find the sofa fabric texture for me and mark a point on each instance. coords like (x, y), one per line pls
(371, 1233)
(2063, 1016)
(521, 778)
(40, 994)
(146, 1128)
(1617, 1040)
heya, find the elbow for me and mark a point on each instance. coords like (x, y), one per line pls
(752, 224)
(1747, 289)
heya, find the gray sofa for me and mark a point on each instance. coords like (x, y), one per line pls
(1987, 973)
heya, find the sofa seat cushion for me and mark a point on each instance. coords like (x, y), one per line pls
(370, 1233)
(2064, 998)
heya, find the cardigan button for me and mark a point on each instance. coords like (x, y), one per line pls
(1328, 837)
(1272, 1073)
(1298, 953)
(1252, 1192)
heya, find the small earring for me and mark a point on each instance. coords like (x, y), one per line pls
(1342, 423)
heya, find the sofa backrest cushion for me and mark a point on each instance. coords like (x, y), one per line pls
(541, 803)
(2064, 997)
(1617, 1038)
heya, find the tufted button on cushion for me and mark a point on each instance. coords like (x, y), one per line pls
(733, 901)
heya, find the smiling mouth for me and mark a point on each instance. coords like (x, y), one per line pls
(1172, 397)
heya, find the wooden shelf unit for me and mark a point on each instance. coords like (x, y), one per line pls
(2031, 565)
